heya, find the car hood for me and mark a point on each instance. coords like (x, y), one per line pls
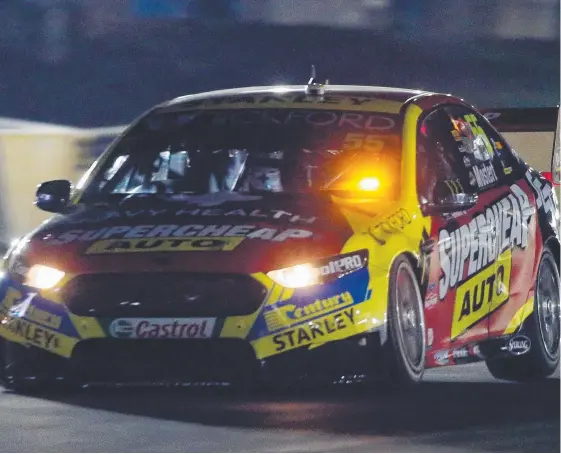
(233, 233)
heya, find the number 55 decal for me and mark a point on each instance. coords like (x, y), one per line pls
(366, 142)
(478, 132)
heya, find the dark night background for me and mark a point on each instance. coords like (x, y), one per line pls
(103, 62)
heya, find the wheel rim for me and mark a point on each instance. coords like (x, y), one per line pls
(547, 295)
(410, 318)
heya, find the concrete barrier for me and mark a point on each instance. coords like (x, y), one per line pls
(31, 153)
(534, 147)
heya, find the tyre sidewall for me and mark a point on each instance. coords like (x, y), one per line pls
(398, 365)
(538, 355)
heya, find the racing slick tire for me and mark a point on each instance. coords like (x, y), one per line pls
(7, 380)
(18, 372)
(542, 327)
(404, 350)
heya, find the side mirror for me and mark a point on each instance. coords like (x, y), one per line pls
(556, 155)
(53, 196)
(451, 203)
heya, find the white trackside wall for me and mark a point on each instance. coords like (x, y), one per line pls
(31, 153)
(534, 147)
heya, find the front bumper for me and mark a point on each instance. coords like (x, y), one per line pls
(94, 334)
(175, 362)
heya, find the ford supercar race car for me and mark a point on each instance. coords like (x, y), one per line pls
(287, 231)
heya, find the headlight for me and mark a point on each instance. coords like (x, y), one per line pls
(320, 271)
(43, 277)
(296, 276)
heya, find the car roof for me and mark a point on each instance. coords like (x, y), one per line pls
(398, 95)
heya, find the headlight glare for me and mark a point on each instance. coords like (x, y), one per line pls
(320, 271)
(43, 277)
(296, 276)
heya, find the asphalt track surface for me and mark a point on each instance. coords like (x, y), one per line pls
(460, 409)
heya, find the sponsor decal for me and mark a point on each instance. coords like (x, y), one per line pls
(298, 101)
(121, 328)
(393, 223)
(546, 199)
(454, 185)
(431, 300)
(210, 200)
(518, 345)
(467, 250)
(33, 334)
(43, 317)
(482, 294)
(165, 245)
(497, 145)
(430, 337)
(484, 175)
(317, 331)
(467, 354)
(176, 232)
(289, 314)
(431, 297)
(475, 139)
(343, 264)
(24, 308)
(460, 353)
(20, 306)
(442, 357)
(162, 328)
(218, 198)
(476, 351)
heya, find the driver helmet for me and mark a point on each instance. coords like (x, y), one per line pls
(264, 173)
(265, 179)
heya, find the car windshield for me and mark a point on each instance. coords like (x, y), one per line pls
(254, 151)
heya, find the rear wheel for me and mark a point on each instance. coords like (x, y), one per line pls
(404, 350)
(542, 327)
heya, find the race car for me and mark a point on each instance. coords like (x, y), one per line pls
(315, 231)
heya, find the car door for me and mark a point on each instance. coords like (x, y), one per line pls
(517, 226)
(459, 249)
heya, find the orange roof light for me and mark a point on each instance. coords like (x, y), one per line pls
(369, 184)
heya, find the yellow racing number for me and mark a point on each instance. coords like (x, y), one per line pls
(478, 131)
(366, 142)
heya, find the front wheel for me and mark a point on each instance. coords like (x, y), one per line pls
(405, 348)
(18, 370)
(542, 327)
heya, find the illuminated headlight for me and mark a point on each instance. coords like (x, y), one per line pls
(320, 271)
(296, 276)
(43, 277)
